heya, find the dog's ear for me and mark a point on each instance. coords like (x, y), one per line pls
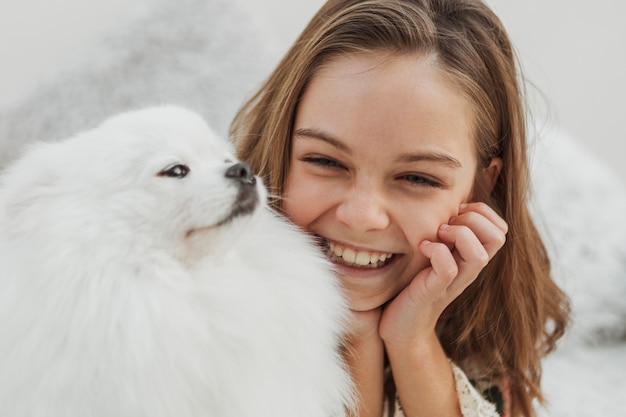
(29, 181)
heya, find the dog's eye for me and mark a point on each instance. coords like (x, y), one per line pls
(175, 171)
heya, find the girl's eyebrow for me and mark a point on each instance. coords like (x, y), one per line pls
(431, 156)
(318, 134)
(437, 157)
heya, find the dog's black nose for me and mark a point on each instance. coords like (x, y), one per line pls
(241, 172)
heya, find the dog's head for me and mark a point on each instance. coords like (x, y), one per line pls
(159, 177)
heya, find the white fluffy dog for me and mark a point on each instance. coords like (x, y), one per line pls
(142, 274)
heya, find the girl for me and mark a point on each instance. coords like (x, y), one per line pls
(394, 132)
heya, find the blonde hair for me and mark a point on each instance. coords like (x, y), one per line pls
(514, 313)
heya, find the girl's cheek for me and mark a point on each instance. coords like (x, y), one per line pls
(295, 211)
(303, 203)
(426, 223)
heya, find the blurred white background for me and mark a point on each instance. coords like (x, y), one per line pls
(571, 50)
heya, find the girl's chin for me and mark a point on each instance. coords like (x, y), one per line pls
(359, 308)
(357, 301)
(367, 293)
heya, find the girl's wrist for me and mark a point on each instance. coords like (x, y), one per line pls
(424, 378)
(365, 341)
(364, 327)
(421, 346)
(364, 354)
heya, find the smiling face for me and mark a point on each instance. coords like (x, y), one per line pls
(382, 155)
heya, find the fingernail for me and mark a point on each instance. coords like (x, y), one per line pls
(444, 227)
(463, 206)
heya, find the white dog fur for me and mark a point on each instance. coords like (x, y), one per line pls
(123, 293)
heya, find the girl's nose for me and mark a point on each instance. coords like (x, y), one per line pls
(363, 210)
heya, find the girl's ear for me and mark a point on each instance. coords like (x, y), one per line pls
(492, 172)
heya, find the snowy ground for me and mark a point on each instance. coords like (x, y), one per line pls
(210, 55)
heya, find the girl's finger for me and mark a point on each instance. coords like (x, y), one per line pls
(470, 255)
(487, 212)
(443, 266)
(491, 235)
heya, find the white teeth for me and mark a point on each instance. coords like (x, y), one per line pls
(337, 250)
(349, 255)
(361, 258)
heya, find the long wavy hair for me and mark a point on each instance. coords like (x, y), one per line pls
(513, 314)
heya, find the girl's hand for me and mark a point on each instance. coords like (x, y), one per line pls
(467, 243)
(363, 326)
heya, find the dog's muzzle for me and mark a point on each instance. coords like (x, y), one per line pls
(248, 196)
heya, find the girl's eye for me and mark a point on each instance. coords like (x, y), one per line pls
(175, 171)
(321, 161)
(420, 180)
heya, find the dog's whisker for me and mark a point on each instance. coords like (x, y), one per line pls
(275, 196)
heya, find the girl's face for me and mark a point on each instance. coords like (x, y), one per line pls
(382, 156)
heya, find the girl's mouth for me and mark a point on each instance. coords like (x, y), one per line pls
(343, 255)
